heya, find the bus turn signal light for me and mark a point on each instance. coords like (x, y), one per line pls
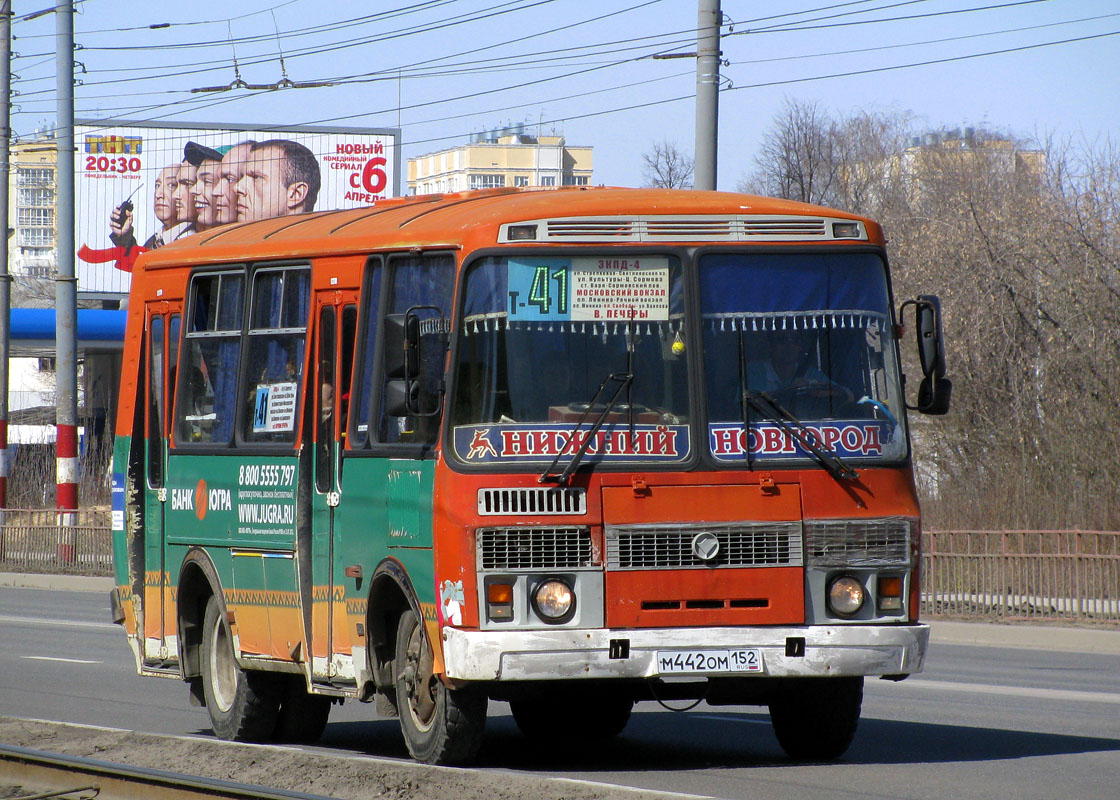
(890, 593)
(499, 601)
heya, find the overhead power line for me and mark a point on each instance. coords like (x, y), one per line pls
(803, 26)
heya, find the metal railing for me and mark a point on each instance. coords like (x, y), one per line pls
(1052, 574)
(1056, 574)
(33, 540)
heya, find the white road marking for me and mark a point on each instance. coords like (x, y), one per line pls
(1013, 691)
(63, 622)
(734, 718)
(64, 660)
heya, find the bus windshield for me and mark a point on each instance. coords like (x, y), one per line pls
(812, 332)
(541, 335)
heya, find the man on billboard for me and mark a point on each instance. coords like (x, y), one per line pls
(208, 163)
(281, 178)
(163, 205)
(182, 199)
(229, 173)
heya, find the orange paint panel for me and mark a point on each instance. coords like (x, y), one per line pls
(319, 613)
(287, 631)
(340, 638)
(877, 493)
(171, 611)
(251, 627)
(152, 629)
(699, 597)
(701, 504)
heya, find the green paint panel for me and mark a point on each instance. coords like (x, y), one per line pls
(386, 512)
(234, 501)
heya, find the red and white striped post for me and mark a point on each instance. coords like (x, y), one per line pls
(4, 453)
(67, 490)
(66, 365)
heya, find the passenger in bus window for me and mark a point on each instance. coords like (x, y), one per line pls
(281, 178)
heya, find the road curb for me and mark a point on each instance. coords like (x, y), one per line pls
(1026, 636)
(67, 583)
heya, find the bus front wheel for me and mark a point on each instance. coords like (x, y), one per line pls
(243, 705)
(815, 718)
(440, 725)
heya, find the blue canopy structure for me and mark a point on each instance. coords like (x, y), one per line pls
(33, 331)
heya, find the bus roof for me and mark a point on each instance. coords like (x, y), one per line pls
(473, 219)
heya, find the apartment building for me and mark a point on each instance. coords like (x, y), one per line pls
(494, 159)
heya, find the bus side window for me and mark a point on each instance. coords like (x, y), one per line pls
(426, 280)
(361, 396)
(346, 365)
(328, 400)
(207, 379)
(281, 303)
(173, 326)
(156, 426)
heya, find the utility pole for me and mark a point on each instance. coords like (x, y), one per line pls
(5, 277)
(66, 286)
(709, 17)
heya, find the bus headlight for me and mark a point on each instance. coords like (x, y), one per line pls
(845, 596)
(554, 601)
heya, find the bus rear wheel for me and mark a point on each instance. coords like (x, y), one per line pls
(440, 725)
(815, 719)
(243, 705)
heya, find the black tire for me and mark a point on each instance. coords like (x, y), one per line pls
(303, 716)
(440, 725)
(243, 705)
(815, 719)
(574, 718)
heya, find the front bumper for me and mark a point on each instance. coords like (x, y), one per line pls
(838, 650)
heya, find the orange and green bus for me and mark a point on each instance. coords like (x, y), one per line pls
(568, 449)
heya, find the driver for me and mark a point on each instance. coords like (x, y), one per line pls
(789, 368)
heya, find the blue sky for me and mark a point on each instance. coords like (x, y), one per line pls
(443, 69)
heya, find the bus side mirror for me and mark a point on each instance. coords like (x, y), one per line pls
(931, 346)
(933, 395)
(935, 390)
(410, 390)
(400, 397)
(402, 346)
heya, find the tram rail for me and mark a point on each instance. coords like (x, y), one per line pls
(80, 778)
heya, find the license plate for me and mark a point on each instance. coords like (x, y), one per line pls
(671, 662)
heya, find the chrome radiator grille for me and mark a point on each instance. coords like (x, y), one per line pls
(531, 500)
(741, 544)
(882, 542)
(508, 549)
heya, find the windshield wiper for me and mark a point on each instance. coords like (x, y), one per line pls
(623, 379)
(770, 408)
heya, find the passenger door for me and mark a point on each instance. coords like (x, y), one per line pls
(161, 330)
(336, 314)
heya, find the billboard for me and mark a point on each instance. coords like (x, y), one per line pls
(140, 185)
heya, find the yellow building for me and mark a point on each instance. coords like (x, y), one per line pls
(33, 208)
(937, 160)
(497, 159)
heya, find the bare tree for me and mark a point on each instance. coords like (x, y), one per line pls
(797, 160)
(1022, 243)
(666, 166)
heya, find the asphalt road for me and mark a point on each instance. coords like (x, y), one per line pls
(1039, 719)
